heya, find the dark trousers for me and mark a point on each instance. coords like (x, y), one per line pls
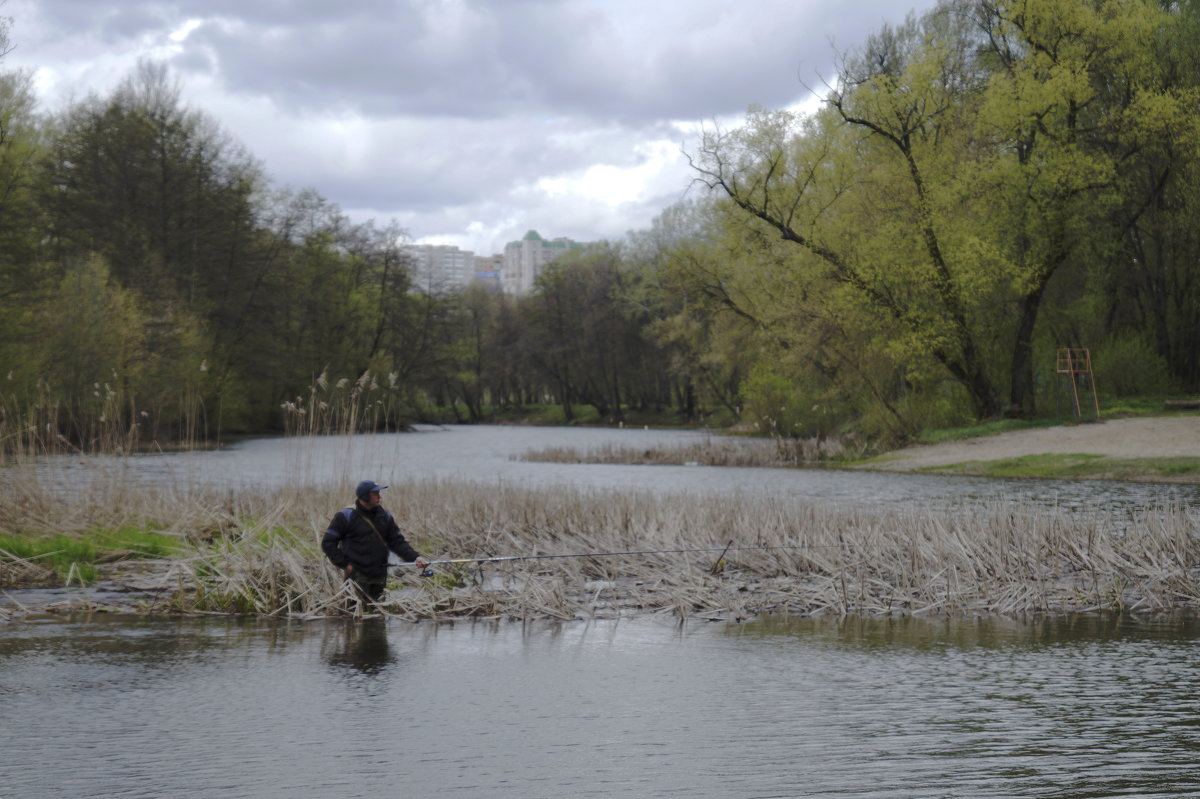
(367, 586)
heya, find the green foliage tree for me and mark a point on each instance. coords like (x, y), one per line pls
(1150, 290)
(591, 340)
(986, 182)
(164, 198)
(1073, 101)
(962, 161)
(22, 279)
(704, 314)
(108, 377)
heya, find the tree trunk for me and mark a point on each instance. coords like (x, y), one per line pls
(1023, 401)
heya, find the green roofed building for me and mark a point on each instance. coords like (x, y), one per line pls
(524, 259)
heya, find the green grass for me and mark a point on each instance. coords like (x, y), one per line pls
(1139, 406)
(1065, 465)
(64, 553)
(1079, 466)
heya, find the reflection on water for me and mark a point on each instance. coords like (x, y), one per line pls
(362, 646)
(983, 632)
(1084, 706)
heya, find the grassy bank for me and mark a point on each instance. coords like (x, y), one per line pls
(1112, 408)
(792, 453)
(1080, 466)
(62, 559)
(258, 553)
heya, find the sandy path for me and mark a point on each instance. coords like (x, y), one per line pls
(1147, 437)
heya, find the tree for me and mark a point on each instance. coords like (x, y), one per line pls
(821, 185)
(1065, 117)
(742, 303)
(1152, 290)
(961, 162)
(155, 187)
(591, 338)
(21, 277)
(703, 316)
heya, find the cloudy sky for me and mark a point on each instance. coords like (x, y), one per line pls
(468, 122)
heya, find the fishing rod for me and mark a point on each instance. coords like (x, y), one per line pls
(509, 558)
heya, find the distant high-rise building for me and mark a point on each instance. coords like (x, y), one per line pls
(524, 259)
(488, 269)
(440, 268)
(489, 264)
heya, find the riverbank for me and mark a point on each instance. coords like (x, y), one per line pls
(1164, 449)
(1156, 448)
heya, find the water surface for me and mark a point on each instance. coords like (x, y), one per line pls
(1090, 706)
(491, 454)
(1071, 707)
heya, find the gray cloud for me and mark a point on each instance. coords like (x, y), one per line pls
(481, 59)
(445, 113)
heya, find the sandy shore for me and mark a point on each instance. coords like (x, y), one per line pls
(1144, 437)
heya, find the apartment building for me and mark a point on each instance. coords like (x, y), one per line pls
(489, 270)
(440, 268)
(524, 260)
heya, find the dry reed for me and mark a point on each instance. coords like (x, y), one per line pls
(713, 451)
(345, 407)
(109, 420)
(258, 553)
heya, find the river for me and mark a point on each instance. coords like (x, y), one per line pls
(485, 454)
(121, 706)
(884, 708)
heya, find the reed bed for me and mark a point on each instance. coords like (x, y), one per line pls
(257, 552)
(758, 452)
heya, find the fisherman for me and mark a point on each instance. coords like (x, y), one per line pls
(360, 537)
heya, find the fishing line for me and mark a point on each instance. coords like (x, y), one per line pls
(722, 550)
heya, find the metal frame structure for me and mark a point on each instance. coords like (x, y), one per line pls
(1075, 361)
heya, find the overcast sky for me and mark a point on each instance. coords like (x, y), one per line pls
(468, 122)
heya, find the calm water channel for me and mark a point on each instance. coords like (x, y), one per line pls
(1083, 707)
(1089, 706)
(492, 453)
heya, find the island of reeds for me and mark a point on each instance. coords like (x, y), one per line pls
(106, 545)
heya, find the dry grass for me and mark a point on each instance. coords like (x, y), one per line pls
(257, 552)
(769, 453)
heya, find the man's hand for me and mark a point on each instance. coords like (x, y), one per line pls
(421, 562)
(349, 569)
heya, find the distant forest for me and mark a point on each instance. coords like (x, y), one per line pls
(984, 184)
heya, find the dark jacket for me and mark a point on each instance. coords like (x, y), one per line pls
(350, 539)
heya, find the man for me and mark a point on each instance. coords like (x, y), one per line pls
(359, 538)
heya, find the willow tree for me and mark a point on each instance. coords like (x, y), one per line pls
(738, 311)
(703, 318)
(1152, 293)
(961, 160)
(855, 188)
(1074, 102)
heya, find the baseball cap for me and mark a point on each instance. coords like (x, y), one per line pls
(364, 489)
